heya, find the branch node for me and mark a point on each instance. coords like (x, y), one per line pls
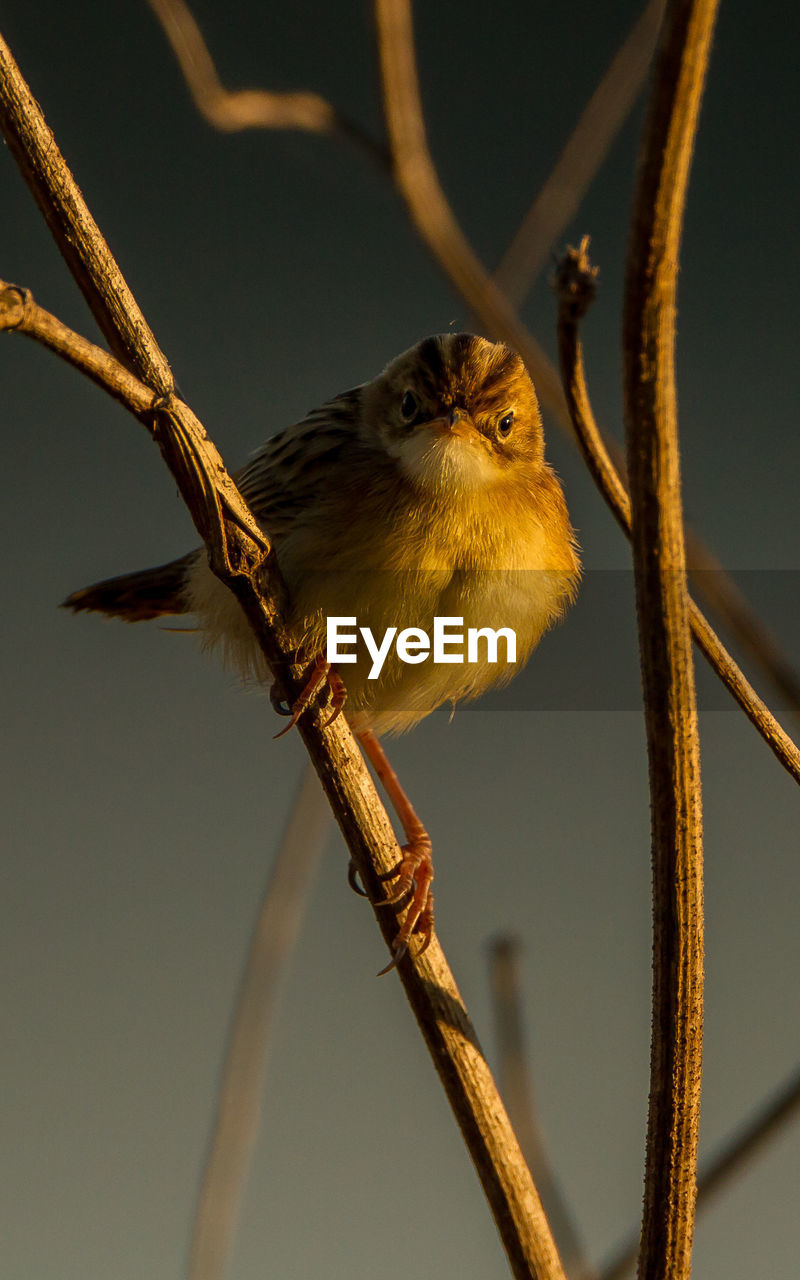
(14, 302)
(162, 405)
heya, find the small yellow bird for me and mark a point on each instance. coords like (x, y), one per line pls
(421, 495)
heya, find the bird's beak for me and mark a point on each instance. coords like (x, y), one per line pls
(453, 424)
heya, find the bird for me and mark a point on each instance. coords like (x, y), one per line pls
(422, 494)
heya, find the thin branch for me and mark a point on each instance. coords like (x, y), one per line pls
(718, 590)
(575, 288)
(238, 1113)
(735, 1155)
(517, 1090)
(233, 110)
(732, 609)
(19, 313)
(588, 145)
(665, 639)
(239, 555)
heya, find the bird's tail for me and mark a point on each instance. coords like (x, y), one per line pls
(135, 597)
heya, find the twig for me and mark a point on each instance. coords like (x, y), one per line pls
(19, 313)
(501, 322)
(575, 288)
(665, 640)
(232, 110)
(237, 548)
(735, 1154)
(238, 1113)
(733, 611)
(587, 148)
(517, 1090)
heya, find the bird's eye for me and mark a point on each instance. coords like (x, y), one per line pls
(505, 424)
(409, 406)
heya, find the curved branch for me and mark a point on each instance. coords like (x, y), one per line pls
(239, 555)
(575, 288)
(418, 183)
(231, 110)
(722, 595)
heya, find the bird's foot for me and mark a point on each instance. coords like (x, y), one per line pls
(413, 878)
(320, 675)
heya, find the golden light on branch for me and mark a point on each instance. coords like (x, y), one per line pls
(662, 606)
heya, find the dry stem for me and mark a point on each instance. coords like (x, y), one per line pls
(239, 555)
(665, 640)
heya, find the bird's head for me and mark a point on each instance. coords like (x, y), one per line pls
(456, 411)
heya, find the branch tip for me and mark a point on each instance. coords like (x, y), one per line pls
(575, 281)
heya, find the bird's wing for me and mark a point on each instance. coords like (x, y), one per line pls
(285, 477)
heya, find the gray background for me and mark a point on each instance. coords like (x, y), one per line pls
(143, 795)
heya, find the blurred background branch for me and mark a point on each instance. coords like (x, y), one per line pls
(230, 110)
(560, 196)
(515, 1078)
(733, 1158)
(242, 1080)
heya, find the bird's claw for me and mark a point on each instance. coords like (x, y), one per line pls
(414, 875)
(352, 880)
(280, 703)
(321, 673)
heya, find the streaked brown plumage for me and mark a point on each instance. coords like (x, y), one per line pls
(423, 493)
